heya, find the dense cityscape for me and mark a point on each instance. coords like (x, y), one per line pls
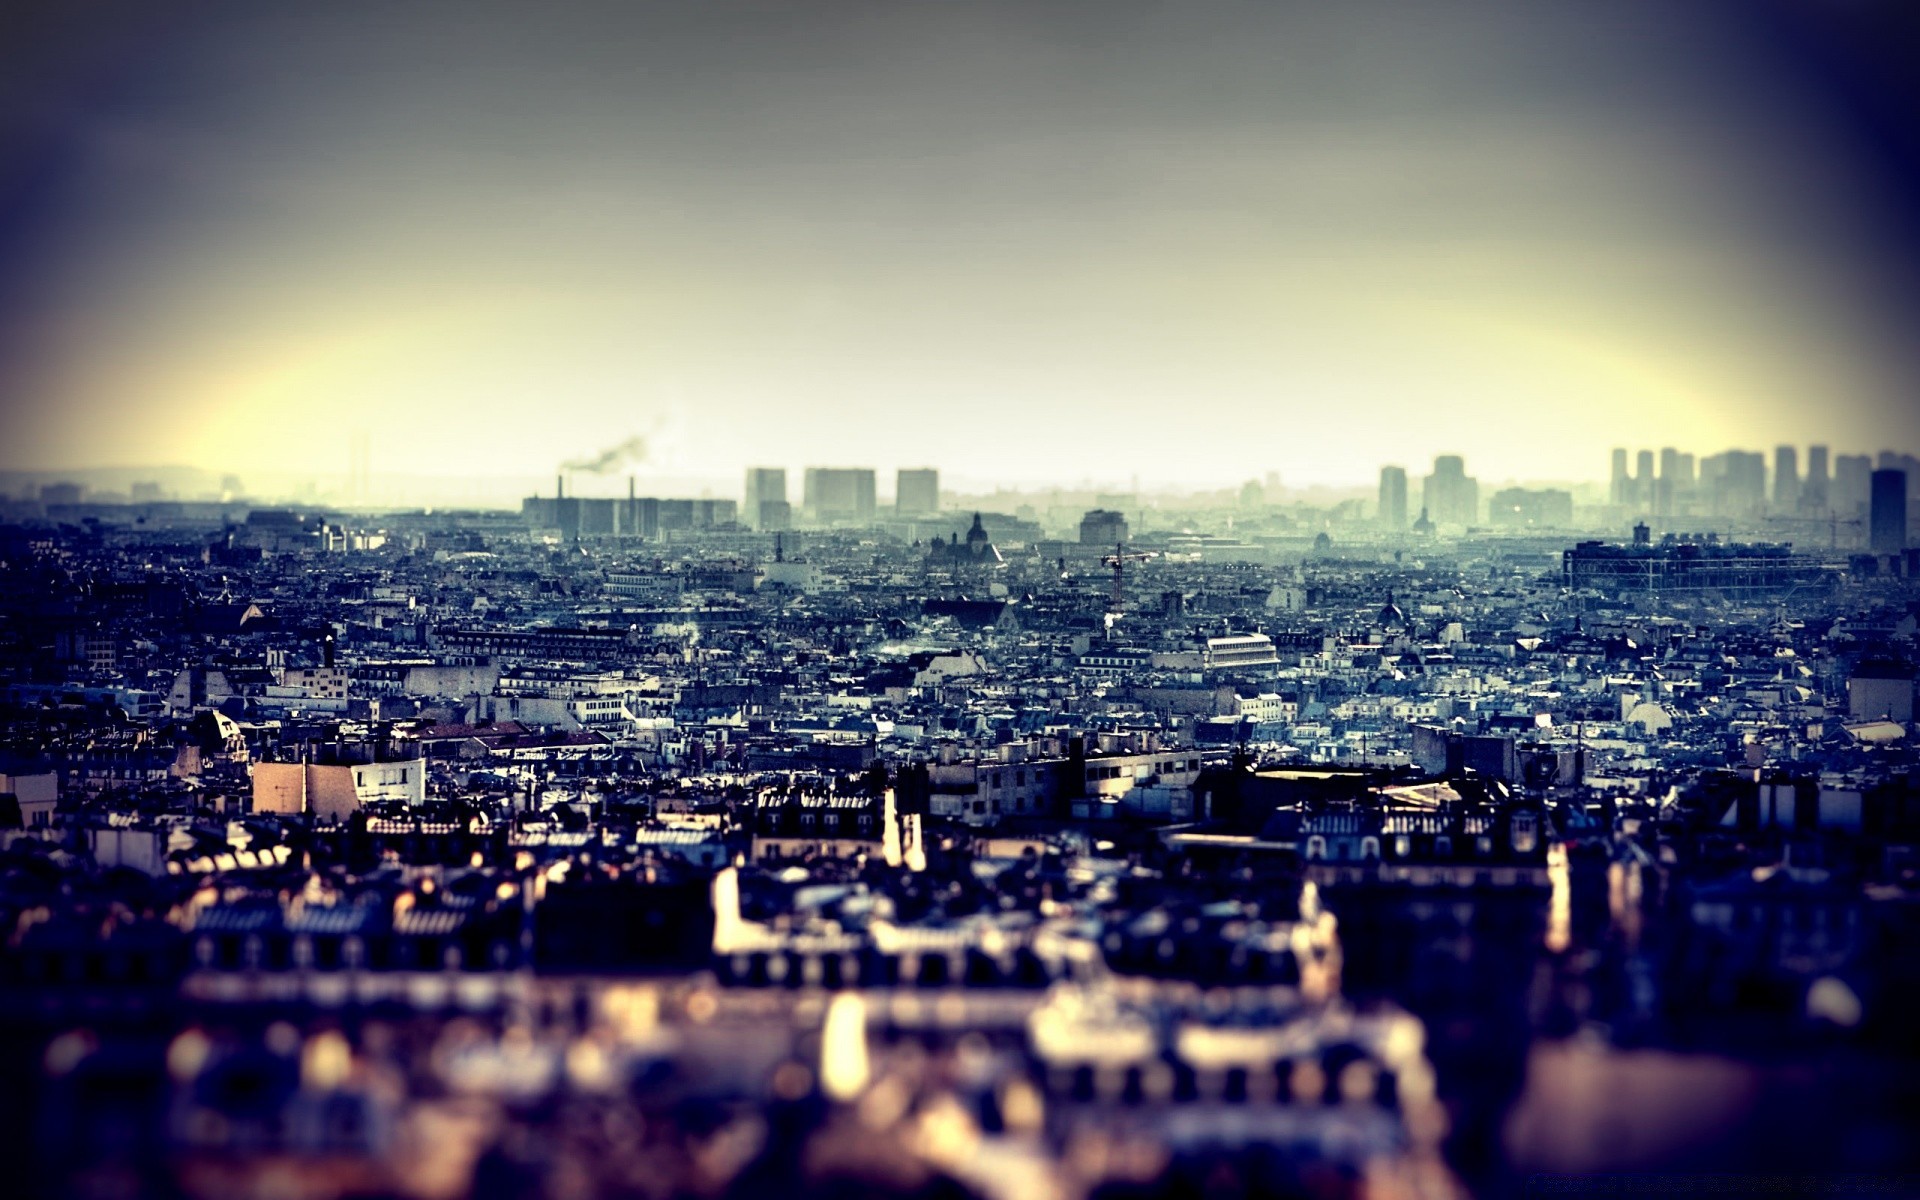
(811, 841)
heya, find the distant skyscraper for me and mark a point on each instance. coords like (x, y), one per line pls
(1393, 499)
(1888, 523)
(839, 493)
(1684, 479)
(764, 485)
(1786, 478)
(776, 516)
(1851, 484)
(1890, 461)
(916, 492)
(1451, 496)
(1103, 527)
(1813, 493)
(1667, 489)
(1736, 483)
(1643, 478)
(1617, 481)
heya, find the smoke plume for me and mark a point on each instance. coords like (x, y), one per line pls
(632, 451)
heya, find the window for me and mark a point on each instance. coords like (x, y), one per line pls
(1369, 848)
(1443, 846)
(1525, 833)
(1316, 847)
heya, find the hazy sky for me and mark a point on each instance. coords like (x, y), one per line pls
(1182, 241)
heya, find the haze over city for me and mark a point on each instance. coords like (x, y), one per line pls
(1028, 244)
(1043, 600)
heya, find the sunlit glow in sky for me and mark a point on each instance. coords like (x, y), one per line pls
(1184, 243)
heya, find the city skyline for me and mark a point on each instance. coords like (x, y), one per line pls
(868, 232)
(1028, 599)
(622, 468)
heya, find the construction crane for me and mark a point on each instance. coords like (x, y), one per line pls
(1118, 560)
(1833, 522)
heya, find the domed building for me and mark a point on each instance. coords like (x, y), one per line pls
(977, 551)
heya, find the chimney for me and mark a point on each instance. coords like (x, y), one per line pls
(727, 924)
(559, 487)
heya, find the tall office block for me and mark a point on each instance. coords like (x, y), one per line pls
(1618, 484)
(1451, 496)
(1736, 482)
(1666, 490)
(1393, 499)
(765, 485)
(1813, 492)
(1851, 487)
(839, 493)
(1786, 478)
(1888, 520)
(916, 492)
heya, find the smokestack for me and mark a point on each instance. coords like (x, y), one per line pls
(559, 487)
(629, 489)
